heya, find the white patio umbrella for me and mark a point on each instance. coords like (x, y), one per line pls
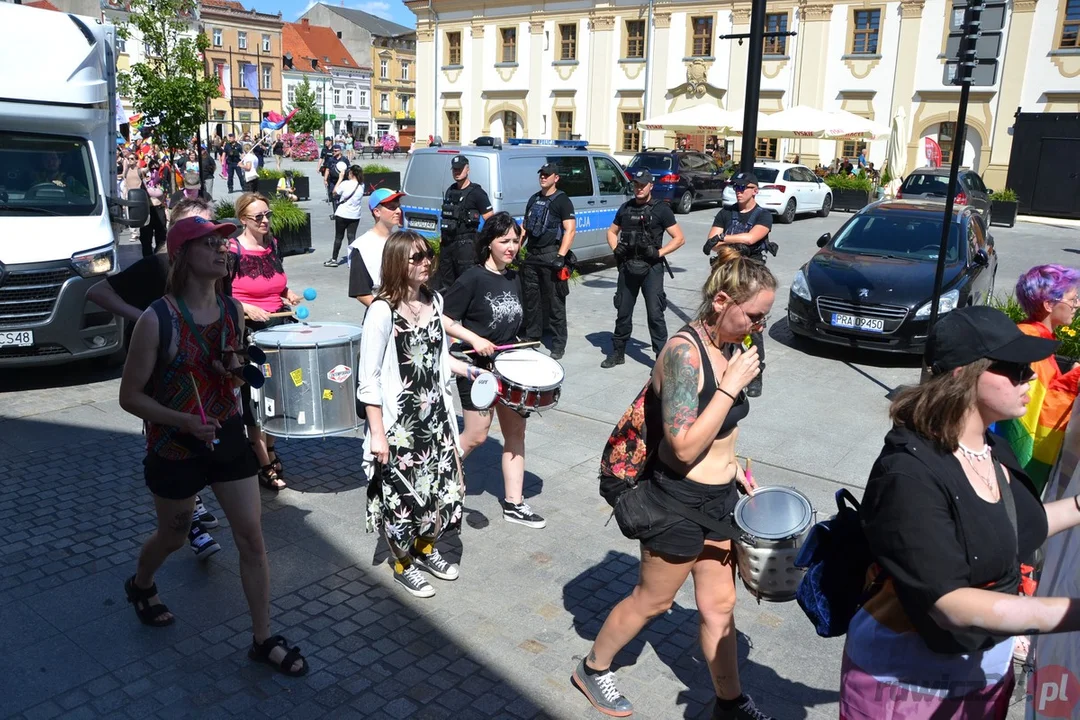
(701, 119)
(896, 155)
(801, 121)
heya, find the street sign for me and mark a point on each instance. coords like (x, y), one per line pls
(984, 74)
(992, 20)
(987, 46)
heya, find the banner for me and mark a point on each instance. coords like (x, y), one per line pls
(933, 153)
(251, 79)
(225, 83)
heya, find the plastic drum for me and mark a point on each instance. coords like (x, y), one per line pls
(310, 388)
(775, 522)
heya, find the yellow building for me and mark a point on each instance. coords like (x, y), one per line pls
(239, 38)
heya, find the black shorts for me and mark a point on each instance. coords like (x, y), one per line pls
(231, 459)
(686, 538)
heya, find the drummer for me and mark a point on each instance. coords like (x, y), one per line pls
(486, 300)
(699, 378)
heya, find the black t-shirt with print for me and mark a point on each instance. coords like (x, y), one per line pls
(734, 222)
(143, 282)
(487, 303)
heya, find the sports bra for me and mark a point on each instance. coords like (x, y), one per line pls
(739, 409)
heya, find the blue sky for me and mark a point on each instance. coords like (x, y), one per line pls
(393, 10)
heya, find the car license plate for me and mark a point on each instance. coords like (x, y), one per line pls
(422, 224)
(858, 323)
(16, 338)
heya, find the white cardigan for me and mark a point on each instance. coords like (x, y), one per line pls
(379, 374)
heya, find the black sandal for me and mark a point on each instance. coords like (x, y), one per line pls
(260, 652)
(275, 462)
(147, 614)
(268, 478)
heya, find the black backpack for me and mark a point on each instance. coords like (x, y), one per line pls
(836, 557)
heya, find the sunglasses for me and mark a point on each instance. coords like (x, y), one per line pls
(259, 217)
(392, 205)
(419, 256)
(758, 321)
(1016, 373)
(546, 175)
(743, 188)
(215, 242)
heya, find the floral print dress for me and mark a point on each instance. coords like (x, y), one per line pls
(418, 493)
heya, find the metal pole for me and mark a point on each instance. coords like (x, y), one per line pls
(232, 97)
(753, 84)
(648, 64)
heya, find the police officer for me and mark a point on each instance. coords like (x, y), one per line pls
(747, 225)
(465, 204)
(549, 233)
(636, 237)
(234, 151)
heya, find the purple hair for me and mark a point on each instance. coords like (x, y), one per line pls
(1043, 283)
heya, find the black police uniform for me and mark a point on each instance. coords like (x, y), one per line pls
(234, 151)
(462, 210)
(543, 290)
(641, 235)
(330, 164)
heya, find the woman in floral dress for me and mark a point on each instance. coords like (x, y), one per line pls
(412, 456)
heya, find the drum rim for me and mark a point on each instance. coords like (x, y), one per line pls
(808, 518)
(537, 353)
(273, 336)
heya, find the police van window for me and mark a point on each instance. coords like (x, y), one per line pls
(518, 179)
(609, 177)
(575, 175)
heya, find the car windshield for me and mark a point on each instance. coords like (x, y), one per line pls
(663, 163)
(918, 184)
(896, 235)
(46, 174)
(765, 175)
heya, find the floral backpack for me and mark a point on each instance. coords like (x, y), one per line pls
(628, 451)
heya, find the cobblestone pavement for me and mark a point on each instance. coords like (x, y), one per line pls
(500, 642)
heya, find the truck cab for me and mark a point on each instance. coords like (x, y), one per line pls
(58, 204)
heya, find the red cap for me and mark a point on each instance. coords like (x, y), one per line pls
(193, 228)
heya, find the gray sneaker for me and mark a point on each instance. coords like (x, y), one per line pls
(436, 564)
(601, 692)
(414, 582)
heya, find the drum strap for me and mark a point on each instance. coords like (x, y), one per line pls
(671, 504)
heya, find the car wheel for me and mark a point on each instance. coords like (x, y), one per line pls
(788, 216)
(826, 206)
(685, 201)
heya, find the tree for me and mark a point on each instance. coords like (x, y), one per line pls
(308, 117)
(169, 87)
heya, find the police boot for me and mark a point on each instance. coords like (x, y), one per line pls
(617, 357)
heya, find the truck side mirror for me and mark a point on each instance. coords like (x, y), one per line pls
(138, 207)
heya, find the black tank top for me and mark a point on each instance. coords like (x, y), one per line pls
(739, 409)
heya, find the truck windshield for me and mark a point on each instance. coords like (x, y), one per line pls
(46, 174)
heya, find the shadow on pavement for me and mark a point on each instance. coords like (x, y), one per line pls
(781, 332)
(71, 375)
(591, 595)
(635, 349)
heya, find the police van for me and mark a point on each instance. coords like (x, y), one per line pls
(594, 181)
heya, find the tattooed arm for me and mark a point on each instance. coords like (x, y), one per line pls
(688, 434)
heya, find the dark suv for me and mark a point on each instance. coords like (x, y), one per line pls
(933, 184)
(681, 177)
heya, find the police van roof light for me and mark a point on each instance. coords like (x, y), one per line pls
(580, 144)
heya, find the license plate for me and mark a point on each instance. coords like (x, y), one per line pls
(16, 338)
(422, 224)
(854, 322)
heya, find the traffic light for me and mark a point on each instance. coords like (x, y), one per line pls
(974, 43)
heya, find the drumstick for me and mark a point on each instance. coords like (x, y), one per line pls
(198, 399)
(511, 346)
(749, 472)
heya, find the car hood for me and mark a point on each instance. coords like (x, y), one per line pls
(872, 279)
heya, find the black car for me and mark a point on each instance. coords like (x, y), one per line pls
(681, 178)
(933, 183)
(870, 285)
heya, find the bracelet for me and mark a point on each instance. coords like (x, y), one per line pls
(471, 372)
(733, 399)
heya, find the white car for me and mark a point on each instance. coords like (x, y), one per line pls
(787, 190)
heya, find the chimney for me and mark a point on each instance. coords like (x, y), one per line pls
(339, 34)
(305, 24)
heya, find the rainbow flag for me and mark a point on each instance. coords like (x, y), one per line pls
(1037, 437)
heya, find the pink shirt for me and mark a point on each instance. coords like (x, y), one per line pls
(260, 279)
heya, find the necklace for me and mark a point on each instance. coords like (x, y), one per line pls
(974, 454)
(408, 304)
(985, 477)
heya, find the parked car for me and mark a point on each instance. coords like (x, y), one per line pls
(930, 183)
(870, 285)
(788, 190)
(682, 178)
(593, 180)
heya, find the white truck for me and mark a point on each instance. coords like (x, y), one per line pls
(59, 210)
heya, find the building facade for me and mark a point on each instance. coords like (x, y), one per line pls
(241, 38)
(595, 72)
(392, 52)
(342, 85)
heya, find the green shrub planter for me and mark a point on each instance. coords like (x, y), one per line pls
(1003, 212)
(291, 226)
(302, 187)
(850, 200)
(267, 186)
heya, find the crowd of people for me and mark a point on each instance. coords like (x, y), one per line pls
(952, 512)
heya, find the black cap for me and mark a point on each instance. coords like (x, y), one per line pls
(744, 178)
(976, 332)
(459, 162)
(641, 176)
(548, 169)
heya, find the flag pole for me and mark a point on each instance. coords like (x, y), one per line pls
(232, 94)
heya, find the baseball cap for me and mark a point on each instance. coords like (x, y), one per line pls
(977, 332)
(744, 178)
(548, 169)
(459, 162)
(383, 195)
(641, 176)
(193, 228)
(336, 147)
(191, 181)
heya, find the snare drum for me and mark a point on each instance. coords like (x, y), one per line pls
(310, 388)
(774, 522)
(528, 380)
